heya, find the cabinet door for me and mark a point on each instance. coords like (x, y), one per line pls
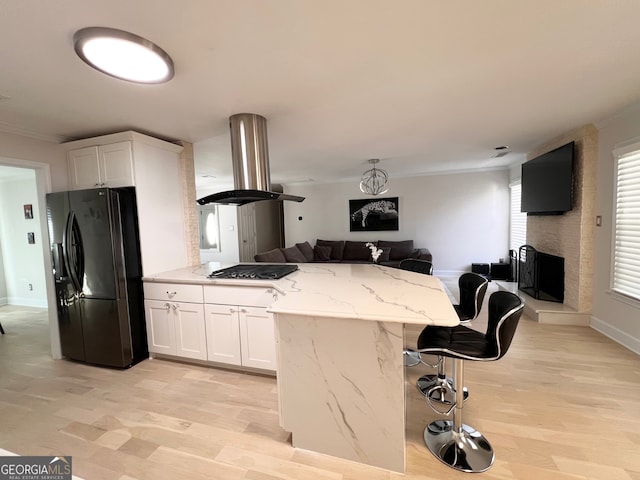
(223, 334)
(160, 327)
(191, 338)
(116, 164)
(83, 168)
(257, 338)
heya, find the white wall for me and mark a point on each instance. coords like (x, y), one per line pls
(613, 315)
(3, 283)
(19, 149)
(461, 218)
(23, 262)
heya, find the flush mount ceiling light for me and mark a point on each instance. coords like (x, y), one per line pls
(374, 181)
(123, 55)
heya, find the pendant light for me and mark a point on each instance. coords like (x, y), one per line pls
(123, 55)
(374, 181)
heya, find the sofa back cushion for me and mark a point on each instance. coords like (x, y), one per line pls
(321, 253)
(307, 250)
(337, 248)
(356, 251)
(293, 255)
(272, 256)
(399, 250)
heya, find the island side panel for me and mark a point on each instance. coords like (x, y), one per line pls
(341, 387)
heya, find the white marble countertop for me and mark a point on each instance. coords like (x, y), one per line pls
(362, 291)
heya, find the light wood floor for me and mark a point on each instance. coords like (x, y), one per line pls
(563, 404)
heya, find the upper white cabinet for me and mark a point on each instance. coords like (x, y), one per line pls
(153, 167)
(101, 166)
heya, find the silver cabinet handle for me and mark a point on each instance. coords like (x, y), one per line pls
(167, 306)
(171, 294)
(243, 310)
(232, 310)
(175, 306)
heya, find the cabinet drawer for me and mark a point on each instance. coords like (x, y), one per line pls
(174, 292)
(249, 296)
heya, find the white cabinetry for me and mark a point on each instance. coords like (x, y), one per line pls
(153, 167)
(240, 331)
(175, 320)
(101, 166)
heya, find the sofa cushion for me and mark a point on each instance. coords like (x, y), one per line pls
(356, 251)
(337, 247)
(399, 250)
(384, 256)
(294, 255)
(322, 253)
(306, 249)
(274, 256)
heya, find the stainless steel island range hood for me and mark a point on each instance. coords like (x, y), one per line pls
(250, 158)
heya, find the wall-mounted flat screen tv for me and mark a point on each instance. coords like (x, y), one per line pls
(547, 182)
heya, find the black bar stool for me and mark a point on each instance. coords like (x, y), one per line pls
(411, 357)
(454, 443)
(473, 288)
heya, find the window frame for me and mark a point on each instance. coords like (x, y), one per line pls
(203, 212)
(618, 153)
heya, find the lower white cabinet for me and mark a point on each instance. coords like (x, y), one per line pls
(240, 335)
(176, 329)
(190, 321)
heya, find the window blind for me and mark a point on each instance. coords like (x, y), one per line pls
(626, 244)
(518, 220)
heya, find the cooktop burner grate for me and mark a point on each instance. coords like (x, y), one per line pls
(254, 272)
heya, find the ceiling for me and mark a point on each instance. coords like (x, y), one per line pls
(424, 85)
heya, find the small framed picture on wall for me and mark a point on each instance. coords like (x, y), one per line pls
(28, 211)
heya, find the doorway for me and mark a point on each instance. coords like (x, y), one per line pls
(24, 238)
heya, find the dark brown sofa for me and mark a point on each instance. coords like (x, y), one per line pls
(345, 251)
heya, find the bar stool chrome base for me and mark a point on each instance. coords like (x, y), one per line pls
(466, 450)
(445, 394)
(411, 357)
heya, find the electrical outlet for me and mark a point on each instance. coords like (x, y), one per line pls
(31, 286)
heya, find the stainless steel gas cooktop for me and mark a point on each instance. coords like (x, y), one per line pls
(261, 271)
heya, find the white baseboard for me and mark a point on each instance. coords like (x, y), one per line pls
(616, 334)
(28, 302)
(448, 273)
(4, 301)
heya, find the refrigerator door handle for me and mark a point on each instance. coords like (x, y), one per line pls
(57, 253)
(70, 251)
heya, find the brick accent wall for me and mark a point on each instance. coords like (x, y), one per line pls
(188, 180)
(572, 235)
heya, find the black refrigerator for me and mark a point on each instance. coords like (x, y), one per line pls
(97, 270)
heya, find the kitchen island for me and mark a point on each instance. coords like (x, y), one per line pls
(339, 343)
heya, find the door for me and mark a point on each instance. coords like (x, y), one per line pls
(116, 164)
(191, 339)
(67, 306)
(247, 232)
(257, 337)
(161, 335)
(98, 257)
(223, 334)
(105, 341)
(69, 321)
(83, 168)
